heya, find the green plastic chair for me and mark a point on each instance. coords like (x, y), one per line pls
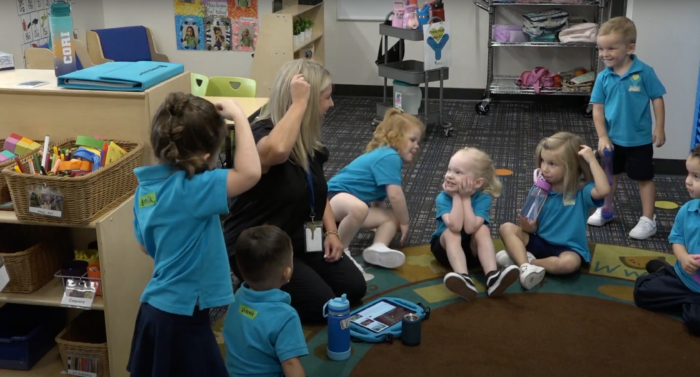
(225, 86)
(199, 84)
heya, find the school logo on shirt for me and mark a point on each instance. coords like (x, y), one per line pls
(636, 80)
(247, 311)
(147, 200)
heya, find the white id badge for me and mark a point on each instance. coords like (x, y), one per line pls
(314, 236)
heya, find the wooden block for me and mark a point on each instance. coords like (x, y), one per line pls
(8, 154)
(86, 141)
(21, 150)
(27, 141)
(34, 145)
(15, 136)
(11, 143)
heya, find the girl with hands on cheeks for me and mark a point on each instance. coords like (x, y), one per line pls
(462, 236)
(556, 241)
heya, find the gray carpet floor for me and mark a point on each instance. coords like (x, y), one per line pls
(509, 133)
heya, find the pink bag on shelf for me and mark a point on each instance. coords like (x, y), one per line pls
(538, 78)
(586, 32)
(508, 33)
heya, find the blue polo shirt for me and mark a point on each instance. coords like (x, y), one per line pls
(262, 330)
(686, 232)
(481, 204)
(366, 176)
(565, 225)
(177, 220)
(627, 102)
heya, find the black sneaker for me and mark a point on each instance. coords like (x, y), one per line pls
(498, 281)
(460, 284)
(656, 265)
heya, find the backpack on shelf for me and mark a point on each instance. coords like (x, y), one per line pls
(547, 22)
(538, 78)
(586, 32)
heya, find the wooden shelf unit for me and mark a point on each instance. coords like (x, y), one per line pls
(276, 42)
(64, 113)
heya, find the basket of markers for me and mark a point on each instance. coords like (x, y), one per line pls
(73, 182)
(11, 149)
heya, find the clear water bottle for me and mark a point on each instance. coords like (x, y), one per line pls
(536, 197)
(61, 41)
(337, 311)
(607, 162)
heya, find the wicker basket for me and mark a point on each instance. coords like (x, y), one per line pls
(32, 268)
(4, 191)
(86, 337)
(85, 198)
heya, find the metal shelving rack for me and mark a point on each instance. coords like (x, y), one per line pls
(411, 72)
(506, 84)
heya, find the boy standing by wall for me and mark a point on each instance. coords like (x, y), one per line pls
(622, 117)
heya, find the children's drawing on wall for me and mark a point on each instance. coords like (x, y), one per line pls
(243, 8)
(218, 33)
(189, 33)
(245, 31)
(189, 8)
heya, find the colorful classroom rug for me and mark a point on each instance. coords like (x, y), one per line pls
(581, 325)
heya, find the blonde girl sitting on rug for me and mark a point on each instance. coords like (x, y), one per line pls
(358, 191)
(556, 241)
(462, 236)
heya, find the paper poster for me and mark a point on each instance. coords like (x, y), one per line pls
(245, 34)
(44, 24)
(216, 25)
(218, 33)
(36, 29)
(26, 22)
(189, 32)
(438, 47)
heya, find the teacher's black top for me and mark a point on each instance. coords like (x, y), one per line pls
(281, 198)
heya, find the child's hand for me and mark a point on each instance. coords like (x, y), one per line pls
(587, 153)
(404, 233)
(659, 138)
(526, 225)
(603, 144)
(466, 187)
(450, 191)
(229, 109)
(300, 89)
(690, 264)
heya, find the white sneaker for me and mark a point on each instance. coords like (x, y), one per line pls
(530, 275)
(596, 219)
(504, 260)
(380, 255)
(367, 276)
(645, 228)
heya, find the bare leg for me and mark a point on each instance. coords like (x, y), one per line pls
(452, 243)
(482, 245)
(566, 263)
(351, 212)
(385, 221)
(647, 190)
(515, 240)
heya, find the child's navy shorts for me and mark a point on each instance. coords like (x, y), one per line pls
(167, 344)
(441, 254)
(542, 249)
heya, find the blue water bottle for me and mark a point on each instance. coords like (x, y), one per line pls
(61, 41)
(607, 160)
(337, 311)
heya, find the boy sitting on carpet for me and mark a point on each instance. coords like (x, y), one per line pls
(677, 288)
(262, 331)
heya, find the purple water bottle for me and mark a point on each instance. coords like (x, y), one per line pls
(337, 311)
(607, 161)
(536, 197)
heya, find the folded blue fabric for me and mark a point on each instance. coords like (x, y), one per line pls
(121, 76)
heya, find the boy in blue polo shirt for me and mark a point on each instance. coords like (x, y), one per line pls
(262, 331)
(622, 117)
(677, 288)
(176, 221)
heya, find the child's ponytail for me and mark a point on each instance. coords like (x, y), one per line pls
(184, 129)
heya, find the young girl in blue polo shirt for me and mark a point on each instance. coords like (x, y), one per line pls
(556, 241)
(176, 221)
(357, 192)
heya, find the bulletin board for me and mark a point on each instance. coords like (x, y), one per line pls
(353, 10)
(34, 21)
(216, 25)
